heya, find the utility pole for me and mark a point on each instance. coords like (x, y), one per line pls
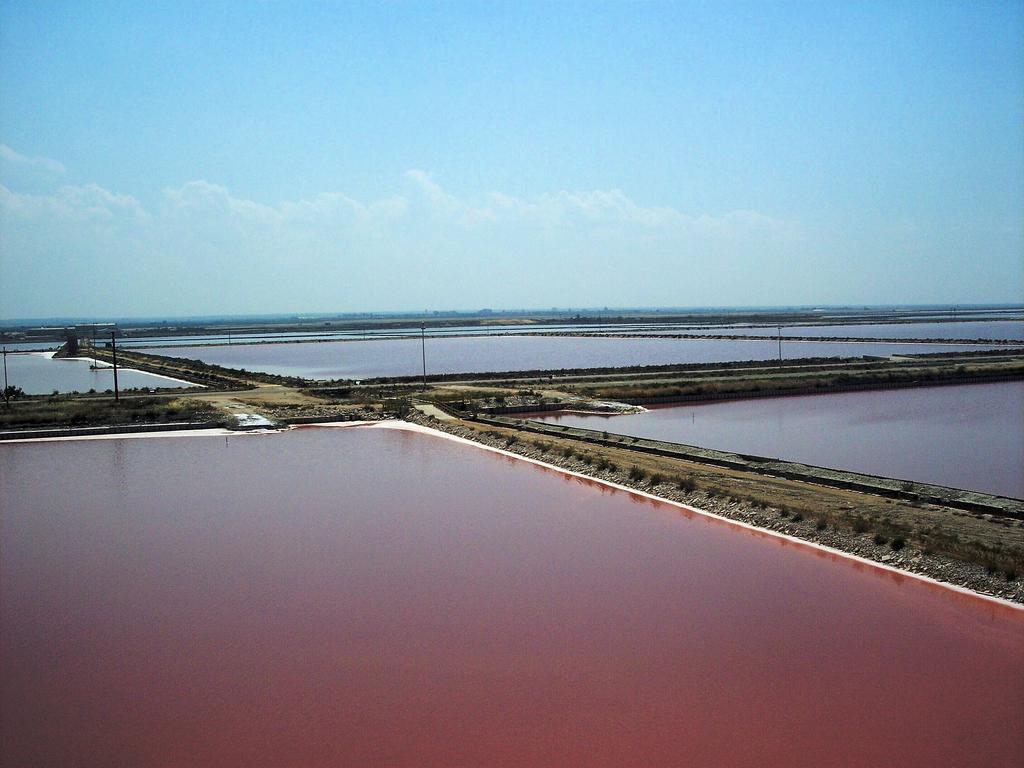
(423, 348)
(6, 400)
(113, 346)
(780, 345)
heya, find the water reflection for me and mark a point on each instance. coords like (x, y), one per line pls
(968, 436)
(401, 357)
(364, 596)
(41, 374)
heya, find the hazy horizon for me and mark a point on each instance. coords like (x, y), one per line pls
(969, 310)
(243, 159)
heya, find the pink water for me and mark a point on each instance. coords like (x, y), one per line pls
(969, 436)
(403, 357)
(368, 597)
(1001, 329)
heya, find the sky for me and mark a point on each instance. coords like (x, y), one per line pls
(176, 158)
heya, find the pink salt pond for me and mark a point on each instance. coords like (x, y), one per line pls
(367, 597)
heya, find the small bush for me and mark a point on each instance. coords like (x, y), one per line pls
(797, 517)
(897, 544)
(686, 484)
(822, 524)
(1011, 574)
(636, 474)
(880, 539)
(657, 479)
(783, 513)
(860, 525)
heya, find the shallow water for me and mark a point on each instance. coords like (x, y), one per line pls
(39, 374)
(410, 331)
(402, 357)
(26, 346)
(968, 436)
(1007, 329)
(371, 597)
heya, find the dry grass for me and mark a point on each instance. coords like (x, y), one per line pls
(82, 412)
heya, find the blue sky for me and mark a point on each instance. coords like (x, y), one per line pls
(177, 158)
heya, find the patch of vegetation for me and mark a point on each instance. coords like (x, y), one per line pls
(69, 411)
(686, 484)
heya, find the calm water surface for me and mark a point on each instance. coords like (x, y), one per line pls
(25, 346)
(369, 597)
(402, 357)
(235, 338)
(1007, 329)
(962, 436)
(38, 374)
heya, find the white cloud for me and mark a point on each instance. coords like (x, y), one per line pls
(333, 251)
(9, 156)
(71, 203)
(596, 208)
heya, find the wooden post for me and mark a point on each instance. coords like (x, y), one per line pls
(423, 348)
(113, 346)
